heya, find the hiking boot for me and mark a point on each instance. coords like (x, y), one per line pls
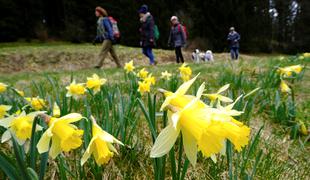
(97, 67)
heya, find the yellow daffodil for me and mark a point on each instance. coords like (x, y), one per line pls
(56, 110)
(95, 82)
(142, 74)
(282, 58)
(100, 146)
(185, 72)
(129, 67)
(64, 135)
(144, 87)
(301, 57)
(75, 90)
(284, 87)
(150, 79)
(3, 87)
(289, 70)
(36, 103)
(217, 96)
(3, 110)
(202, 130)
(20, 126)
(166, 75)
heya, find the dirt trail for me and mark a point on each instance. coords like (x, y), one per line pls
(67, 58)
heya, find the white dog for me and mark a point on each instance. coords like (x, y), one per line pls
(209, 56)
(197, 56)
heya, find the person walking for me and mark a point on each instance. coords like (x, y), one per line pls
(233, 38)
(147, 41)
(177, 38)
(105, 34)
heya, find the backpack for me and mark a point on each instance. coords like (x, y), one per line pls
(115, 29)
(156, 32)
(183, 29)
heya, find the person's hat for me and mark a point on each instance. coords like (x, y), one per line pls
(174, 18)
(143, 9)
(102, 11)
(231, 28)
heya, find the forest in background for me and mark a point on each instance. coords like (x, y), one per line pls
(264, 25)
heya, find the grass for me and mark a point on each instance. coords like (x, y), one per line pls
(281, 156)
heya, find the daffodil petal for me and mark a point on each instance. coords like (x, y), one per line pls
(190, 147)
(164, 141)
(88, 151)
(224, 99)
(6, 136)
(213, 157)
(230, 106)
(185, 86)
(44, 142)
(6, 122)
(71, 118)
(222, 89)
(55, 148)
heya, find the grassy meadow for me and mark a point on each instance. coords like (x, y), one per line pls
(278, 145)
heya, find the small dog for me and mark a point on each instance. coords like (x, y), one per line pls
(209, 56)
(197, 56)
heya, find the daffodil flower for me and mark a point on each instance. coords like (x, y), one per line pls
(129, 67)
(56, 110)
(3, 87)
(36, 103)
(289, 70)
(95, 82)
(201, 131)
(150, 79)
(217, 96)
(142, 73)
(306, 55)
(64, 135)
(20, 126)
(144, 87)
(166, 75)
(100, 146)
(3, 110)
(284, 87)
(75, 90)
(185, 72)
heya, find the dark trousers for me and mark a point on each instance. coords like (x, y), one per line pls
(147, 51)
(178, 54)
(234, 52)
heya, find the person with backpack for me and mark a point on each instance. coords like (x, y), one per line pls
(177, 38)
(147, 33)
(233, 38)
(106, 36)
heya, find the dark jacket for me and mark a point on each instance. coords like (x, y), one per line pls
(233, 38)
(147, 30)
(104, 29)
(177, 36)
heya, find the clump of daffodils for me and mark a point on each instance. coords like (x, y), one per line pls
(185, 72)
(36, 103)
(129, 67)
(3, 87)
(204, 128)
(145, 85)
(75, 90)
(95, 83)
(100, 146)
(63, 134)
(286, 73)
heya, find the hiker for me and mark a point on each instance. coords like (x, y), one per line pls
(177, 38)
(147, 41)
(105, 34)
(233, 38)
